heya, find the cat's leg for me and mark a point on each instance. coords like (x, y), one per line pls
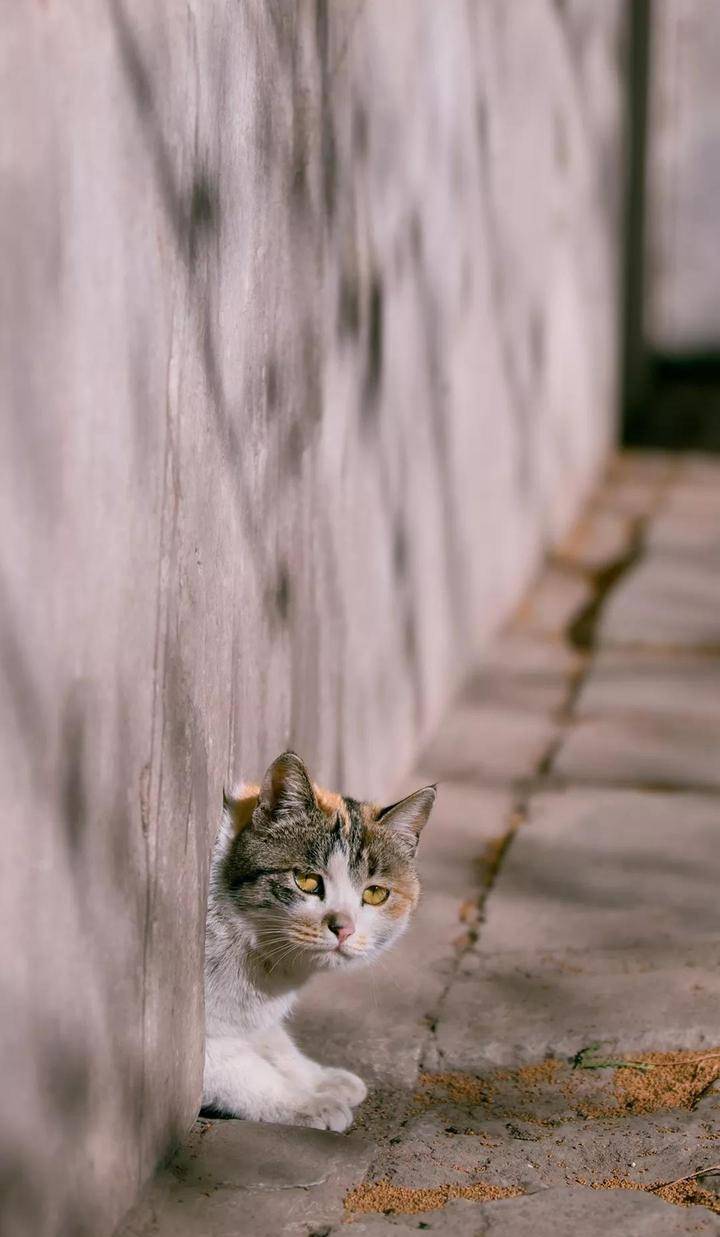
(279, 1048)
(244, 1081)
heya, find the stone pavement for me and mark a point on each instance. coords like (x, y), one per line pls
(569, 920)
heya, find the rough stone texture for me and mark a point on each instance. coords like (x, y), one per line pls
(521, 1007)
(645, 683)
(656, 751)
(604, 870)
(308, 348)
(570, 1210)
(487, 746)
(236, 1176)
(561, 1212)
(670, 599)
(686, 531)
(519, 671)
(488, 1142)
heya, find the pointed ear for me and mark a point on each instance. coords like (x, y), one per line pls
(286, 786)
(408, 817)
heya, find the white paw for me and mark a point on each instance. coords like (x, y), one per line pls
(324, 1111)
(344, 1085)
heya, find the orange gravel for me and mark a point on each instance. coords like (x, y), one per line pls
(383, 1197)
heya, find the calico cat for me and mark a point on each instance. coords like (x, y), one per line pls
(302, 881)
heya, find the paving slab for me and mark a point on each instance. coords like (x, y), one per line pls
(635, 497)
(657, 468)
(698, 500)
(234, 1177)
(571, 1210)
(521, 1007)
(647, 749)
(695, 470)
(689, 532)
(488, 746)
(608, 869)
(667, 599)
(523, 672)
(565, 1211)
(456, 1144)
(631, 681)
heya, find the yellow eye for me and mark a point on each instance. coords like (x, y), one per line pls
(375, 895)
(308, 882)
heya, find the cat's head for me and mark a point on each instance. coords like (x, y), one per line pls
(322, 881)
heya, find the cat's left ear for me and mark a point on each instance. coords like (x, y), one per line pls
(409, 817)
(287, 786)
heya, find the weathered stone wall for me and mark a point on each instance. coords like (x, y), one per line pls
(683, 190)
(308, 348)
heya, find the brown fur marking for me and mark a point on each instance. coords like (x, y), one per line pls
(241, 809)
(332, 805)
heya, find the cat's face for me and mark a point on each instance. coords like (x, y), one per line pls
(322, 881)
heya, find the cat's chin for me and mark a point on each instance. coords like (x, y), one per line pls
(340, 960)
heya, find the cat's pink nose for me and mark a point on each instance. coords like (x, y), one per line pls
(341, 925)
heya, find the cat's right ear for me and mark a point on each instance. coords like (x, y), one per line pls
(286, 786)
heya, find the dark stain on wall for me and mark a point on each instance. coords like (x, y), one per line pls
(481, 125)
(264, 133)
(299, 147)
(328, 145)
(272, 384)
(329, 163)
(65, 1075)
(293, 449)
(348, 305)
(312, 407)
(415, 234)
(561, 145)
(73, 788)
(375, 344)
(360, 132)
(204, 212)
(536, 339)
(282, 594)
(400, 547)
(410, 641)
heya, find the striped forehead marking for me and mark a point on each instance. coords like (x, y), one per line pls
(334, 807)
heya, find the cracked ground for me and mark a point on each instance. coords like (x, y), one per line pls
(543, 1048)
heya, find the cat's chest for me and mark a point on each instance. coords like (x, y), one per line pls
(237, 1000)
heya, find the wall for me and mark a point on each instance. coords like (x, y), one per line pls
(308, 349)
(683, 190)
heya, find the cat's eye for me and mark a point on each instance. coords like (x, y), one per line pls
(375, 895)
(308, 882)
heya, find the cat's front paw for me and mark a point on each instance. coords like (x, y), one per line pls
(324, 1111)
(345, 1085)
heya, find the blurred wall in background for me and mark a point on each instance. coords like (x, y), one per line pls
(309, 348)
(682, 297)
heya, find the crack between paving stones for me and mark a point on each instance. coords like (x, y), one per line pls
(582, 630)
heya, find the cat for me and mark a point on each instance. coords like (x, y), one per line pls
(302, 881)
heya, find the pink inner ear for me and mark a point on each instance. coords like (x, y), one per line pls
(410, 815)
(286, 785)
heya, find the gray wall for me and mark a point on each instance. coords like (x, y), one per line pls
(683, 190)
(308, 349)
